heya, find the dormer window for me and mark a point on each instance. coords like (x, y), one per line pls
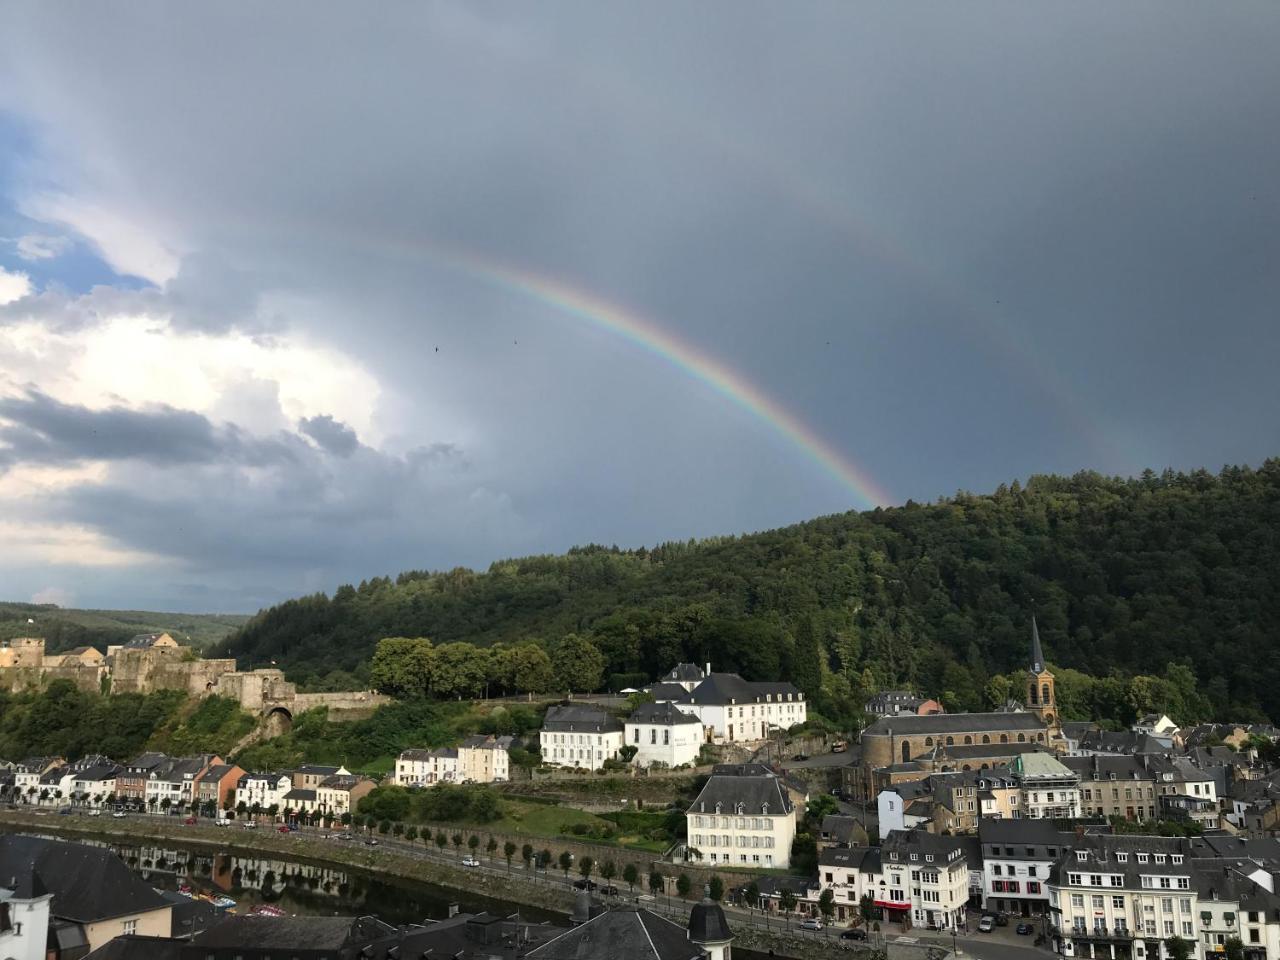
(1082, 855)
(915, 856)
(1177, 858)
(1160, 858)
(764, 808)
(1143, 858)
(1122, 858)
(928, 858)
(768, 698)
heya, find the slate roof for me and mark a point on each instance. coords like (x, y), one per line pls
(684, 672)
(707, 923)
(667, 691)
(300, 796)
(292, 933)
(480, 741)
(136, 947)
(1123, 741)
(863, 859)
(838, 827)
(142, 641)
(725, 688)
(581, 719)
(944, 723)
(626, 933)
(752, 789)
(215, 773)
(88, 883)
(664, 713)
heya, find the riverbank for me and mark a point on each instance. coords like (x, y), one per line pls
(396, 861)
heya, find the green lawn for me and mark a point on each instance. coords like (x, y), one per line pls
(540, 819)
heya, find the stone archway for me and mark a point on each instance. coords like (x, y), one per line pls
(278, 721)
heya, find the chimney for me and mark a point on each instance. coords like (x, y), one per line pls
(708, 668)
(453, 909)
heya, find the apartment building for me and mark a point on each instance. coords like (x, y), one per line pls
(1017, 858)
(926, 877)
(1050, 790)
(579, 736)
(423, 768)
(263, 789)
(733, 710)
(663, 735)
(743, 816)
(341, 793)
(485, 759)
(1115, 785)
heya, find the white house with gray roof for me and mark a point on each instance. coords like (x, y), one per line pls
(733, 710)
(663, 735)
(742, 817)
(579, 736)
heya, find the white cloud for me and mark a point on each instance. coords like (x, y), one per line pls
(39, 246)
(128, 246)
(13, 286)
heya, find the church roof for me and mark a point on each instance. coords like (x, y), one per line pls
(1037, 654)
(944, 723)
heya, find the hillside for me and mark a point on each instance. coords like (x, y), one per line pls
(1125, 576)
(64, 628)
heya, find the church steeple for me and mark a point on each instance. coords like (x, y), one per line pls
(1040, 695)
(1037, 654)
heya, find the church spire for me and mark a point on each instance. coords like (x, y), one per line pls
(1037, 654)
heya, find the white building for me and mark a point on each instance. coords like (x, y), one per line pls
(579, 736)
(743, 817)
(663, 735)
(264, 789)
(24, 917)
(484, 759)
(891, 809)
(1017, 858)
(733, 710)
(423, 768)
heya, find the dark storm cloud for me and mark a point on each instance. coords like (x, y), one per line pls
(36, 428)
(962, 244)
(331, 434)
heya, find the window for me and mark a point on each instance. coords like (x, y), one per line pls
(1122, 858)
(1117, 903)
(1077, 900)
(1097, 903)
(130, 927)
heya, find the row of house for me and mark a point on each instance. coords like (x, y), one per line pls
(204, 783)
(477, 759)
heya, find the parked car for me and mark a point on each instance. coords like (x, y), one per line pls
(190, 821)
(840, 746)
(95, 812)
(986, 924)
(283, 828)
(251, 825)
(64, 811)
(470, 862)
(371, 842)
(855, 933)
(811, 923)
(1024, 929)
(585, 884)
(609, 890)
(119, 815)
(800, 756)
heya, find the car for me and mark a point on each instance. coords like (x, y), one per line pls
(840, 746)
(986, 924)
(119, 815)
(854, 933)
(470, 862)
(282, 828)
(190, 821)
(799, 757)
(1024, 929)
(811, 923)
(95, 813)
(371, 842)
(65, 811)
(585, 884)
(1001, 920)
(250, 825)
(609, 890)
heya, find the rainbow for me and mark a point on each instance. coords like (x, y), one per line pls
(652, 338)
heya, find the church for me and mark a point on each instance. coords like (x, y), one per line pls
(905, 746)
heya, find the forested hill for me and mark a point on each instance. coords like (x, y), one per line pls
(64, 628)
(1125, 576)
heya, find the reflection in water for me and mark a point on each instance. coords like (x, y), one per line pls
(305, 889)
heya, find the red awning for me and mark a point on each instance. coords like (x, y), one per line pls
(894, 904)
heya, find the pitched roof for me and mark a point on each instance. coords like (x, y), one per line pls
(663, 713)
(582, 719)
(944, 723)
(865, 859)
(1037, 655)
(136, 947)
(684, 672)
(753, 790)
(293, 933)
(725, 688)
(625, 933)
(88, 883)
(667, 691)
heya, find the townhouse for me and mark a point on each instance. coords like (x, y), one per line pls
(743, 816)
(341, 793)
(95, 784)
(131, 780)
(172, 783)
(1050, 790)
(663, 735)
(891, 703)
(1017, 858)
(263, 790)
(215, 788)
(1116, 785)
(422, 768)
(309, 776)
(579, 736)
(485, 759)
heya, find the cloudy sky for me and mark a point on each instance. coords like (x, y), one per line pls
(292, 296)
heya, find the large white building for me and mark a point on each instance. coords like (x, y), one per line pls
(733, 710)
(742, 817)
(579, 736)
(423, 768)
(663, 735)
(1017, 858)
(264, 789)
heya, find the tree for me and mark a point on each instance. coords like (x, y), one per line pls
(657, 883)
(460, 670)
(578, 664)
(683, 885)
(403, 667)
(526, 854)
(608, 870)
(585, 866)
(806, 665)
(630, 875)
(1177, 948)
(441, 840)
(715, 888)
(473, 844)
(787, 903)
(384, 826)
(509, 851)
(752, 895)
(866, 909)
(397, 828)
(1234, 949)
(544, 859)
(827, 904)
(530, 669)
(411, 834)
(456, 840)
(566, 861)
(491, 847)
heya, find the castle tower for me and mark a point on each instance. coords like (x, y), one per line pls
(1040, 695)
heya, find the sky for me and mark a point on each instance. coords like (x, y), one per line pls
(292, 296)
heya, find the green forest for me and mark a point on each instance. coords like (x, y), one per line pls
(1127, 578)
(64, 628)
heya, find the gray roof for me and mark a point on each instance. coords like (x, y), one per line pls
(667, 691)
(944, 723)
(707, 923)
(864, 859)
(685, 672)
(1037, 654)
(664, 713)
(1023, 832)
(480, 741)
(136, 947)
(300, 796)
(88, 883)
(292, 933)
(724, 688)
(625, 933)
(753, 790)
(582, 719)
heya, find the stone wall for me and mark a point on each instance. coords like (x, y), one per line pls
(354, 705)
